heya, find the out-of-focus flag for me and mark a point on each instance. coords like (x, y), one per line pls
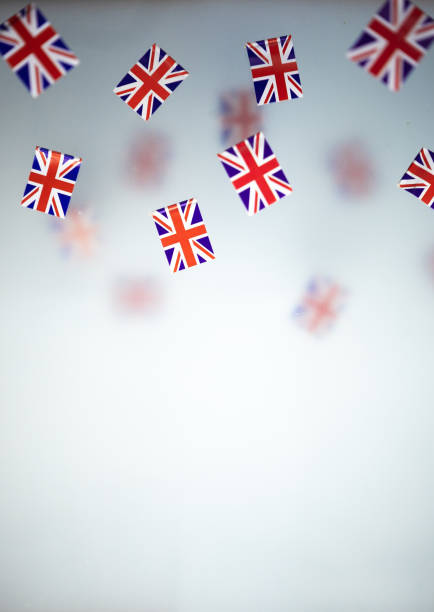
(147, 160)
(76, 233)
(34, 50)
(150, 82)
(274, 69)
(393, 42)
(239, 115)
(419, 177)
(320, 305)
(137, 295)
(255, 173)
(51, 182)
(352, 169)
(183, 235)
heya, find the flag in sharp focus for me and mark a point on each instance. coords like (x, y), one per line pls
(255, 173)
(419, 177)
(76, 233)
(274, 69)
(150, 82)
(147, 159)
(320, 305)
(183, 235)
(34, 50)
(51, 182)
(239, 115)
(393, 42)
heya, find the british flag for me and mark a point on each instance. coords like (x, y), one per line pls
(34, 50)
(393, 42)
(274, 69)
(150, 82)
(320, 305)
(183, 235)
(51, 182)
(352, 169)
(137, 295)
(239, 114)
(255, 173)
(147, 159)
(76, 233)
(419, 177)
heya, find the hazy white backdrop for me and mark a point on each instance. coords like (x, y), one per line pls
(215, 457)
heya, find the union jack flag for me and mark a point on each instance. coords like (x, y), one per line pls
(255, 173)
(147, 159)
(393, 42)
(352, 169)
(51, 182)
(274, 69)
(150, 82)
(137, 295)
(76, 233)
(240, 115)
(34, 50)
(320, 305)
(419, 177)
(183, 235)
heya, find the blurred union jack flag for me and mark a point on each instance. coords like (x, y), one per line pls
(76, 233)
(240, 115)
(274, 69)
(419, 177)
(255, 173)
(34, 50)
(137, 295)
(147, 159)
(150, 82)
(183, 235)
(320, 305)
(393, 42)
(352, 169)
(51, 182)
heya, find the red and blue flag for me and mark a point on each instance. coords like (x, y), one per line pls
(34, 50)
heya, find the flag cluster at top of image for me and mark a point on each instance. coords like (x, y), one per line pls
(389, 48)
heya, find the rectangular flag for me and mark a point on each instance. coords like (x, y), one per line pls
(51, 182)
(34, 50)
(150, 82)
(183, 235)
(393, 42)
(274, 69)
(419, 177)
(255, 173)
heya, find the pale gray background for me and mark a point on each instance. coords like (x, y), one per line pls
(216, 457)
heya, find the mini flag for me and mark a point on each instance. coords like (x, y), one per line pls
(352, 169)
(137, 295)
(320, 305)
(150, 82)
(34, 50)
(239, 114)
(274, 70)
(393, 42)
(76, 233)
(51, 182)
(419, 177)
(147, 158)
(183, 235)
(255, 173)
